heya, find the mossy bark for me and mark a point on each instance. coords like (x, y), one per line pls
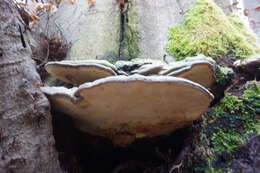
(204, 31)
(130, 34)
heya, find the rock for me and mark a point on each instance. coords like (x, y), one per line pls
(126, 108)
(93, 30)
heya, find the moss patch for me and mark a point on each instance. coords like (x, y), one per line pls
(207, 30)
(131, 34)
(225, 129)
(223, 75)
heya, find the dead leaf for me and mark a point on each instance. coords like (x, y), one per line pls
(257, 8)
(91, 2)
(246, 12)
(57, 2)
(48, 6)
(38, 7)
(33, 24)
(71, 2)
(55, 41)
(235, 3)
(21, 4)
(121, 3)
(35, 17)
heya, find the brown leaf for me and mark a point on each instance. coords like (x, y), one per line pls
(246, 12)
(48, 6)
(235, 3)
(33, 24)
(91, 2)
(257, 8)
(57, 2)
(121, 3)
(21, 4)
(71, 2)
(38, 7)
(35, 17)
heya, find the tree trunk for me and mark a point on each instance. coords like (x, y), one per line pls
(26, 140)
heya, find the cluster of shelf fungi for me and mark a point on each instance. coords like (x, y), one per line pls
(132, 100)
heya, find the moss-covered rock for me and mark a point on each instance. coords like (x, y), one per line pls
(207, 30)
(226, 128)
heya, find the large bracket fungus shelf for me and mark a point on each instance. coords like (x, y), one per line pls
(126, 108)
(81, 71)
(199, 69)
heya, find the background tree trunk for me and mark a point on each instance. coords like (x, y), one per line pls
(26, 140)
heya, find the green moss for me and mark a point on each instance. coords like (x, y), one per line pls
(223, 75)
(231, 104)
(110, 57)
(226, 141)
(211, 169)
(50, 81)
(246, 37)
(207, 30)
(251, 98)
(131, 44)
(225, 129)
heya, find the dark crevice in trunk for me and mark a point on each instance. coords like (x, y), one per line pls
(1, 52)
(21, 35)
(123, 21)
(122, 32)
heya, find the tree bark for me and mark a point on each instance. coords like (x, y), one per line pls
(26, 139)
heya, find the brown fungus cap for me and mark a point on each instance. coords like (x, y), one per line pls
(148, 69)
(126, 108)
(197, 69)
(140, 66)
(79, 72)
(250, 66)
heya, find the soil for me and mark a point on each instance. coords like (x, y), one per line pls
(79, 152)
(248, 156)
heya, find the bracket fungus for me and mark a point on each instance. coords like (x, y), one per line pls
(198, 69)
(148, 69)
(250, 66)
(140, 66)
(79, 72)
(126, 108)
(127, 66)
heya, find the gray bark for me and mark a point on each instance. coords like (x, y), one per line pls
(92, 30)
(26, 140)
